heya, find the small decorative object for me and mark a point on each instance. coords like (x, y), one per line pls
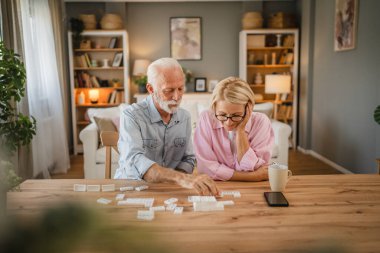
(139, 73)
(273, 58)
(116, 83)
(94, 63)
(98, 46)
(185, 38)
(105, 63)
(117, 59)
(200, 84)
(278, 40)
(252, 20)
(94, 96)
(346, 16)
(265, 59)
(85, 44)
(81, 98)
(89, 21)
(111, 22)
(251, 58)
(212, 84)
(258, 79)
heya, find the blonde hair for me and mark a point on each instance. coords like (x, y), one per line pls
(233, 90)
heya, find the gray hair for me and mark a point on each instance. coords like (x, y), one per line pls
(155, 70)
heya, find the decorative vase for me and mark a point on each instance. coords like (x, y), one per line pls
(142, 89)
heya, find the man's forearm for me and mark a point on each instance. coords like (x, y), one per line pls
(159, 174)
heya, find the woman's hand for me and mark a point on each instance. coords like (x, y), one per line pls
(248, 113)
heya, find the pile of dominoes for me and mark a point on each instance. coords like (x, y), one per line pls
(200, 203)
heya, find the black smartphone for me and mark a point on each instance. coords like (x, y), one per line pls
(276, 199)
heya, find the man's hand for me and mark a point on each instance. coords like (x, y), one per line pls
(203, 184)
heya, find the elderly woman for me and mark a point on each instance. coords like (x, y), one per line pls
(231, 141)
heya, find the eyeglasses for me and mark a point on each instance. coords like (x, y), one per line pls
(234, 118)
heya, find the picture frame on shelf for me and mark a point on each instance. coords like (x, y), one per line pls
(117, 59)
(185, 38)
(112, 43)
(200, 84)
(346, 16)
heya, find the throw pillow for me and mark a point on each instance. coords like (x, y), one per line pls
(106, 113)
(104, 124)
(116, 122)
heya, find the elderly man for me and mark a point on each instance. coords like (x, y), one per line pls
(155, 134)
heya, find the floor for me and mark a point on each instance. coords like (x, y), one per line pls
(299, 164)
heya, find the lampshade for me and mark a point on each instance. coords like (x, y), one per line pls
(140, 67)
(275, 84)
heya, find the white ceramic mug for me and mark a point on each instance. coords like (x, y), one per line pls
(278, 177)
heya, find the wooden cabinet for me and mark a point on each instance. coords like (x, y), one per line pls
(98, 69)
(271, 51)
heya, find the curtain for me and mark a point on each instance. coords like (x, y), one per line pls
(12, 37)
(50, 149)
(60, 41)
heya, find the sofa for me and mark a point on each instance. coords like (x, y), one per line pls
(94, 154)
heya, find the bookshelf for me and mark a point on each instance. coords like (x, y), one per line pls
(271, 51)
(98, 72)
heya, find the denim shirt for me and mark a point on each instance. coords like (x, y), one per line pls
(145, 139)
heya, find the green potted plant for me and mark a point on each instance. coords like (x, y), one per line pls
(77, 28)
(376, 115)
(141, 81)
(15, 128)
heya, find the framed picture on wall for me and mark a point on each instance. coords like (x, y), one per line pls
(346, 16)
(200, 84)
(185, 38)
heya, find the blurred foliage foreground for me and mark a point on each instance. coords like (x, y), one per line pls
(73, 228)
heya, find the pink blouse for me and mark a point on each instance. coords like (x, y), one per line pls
(213, 147)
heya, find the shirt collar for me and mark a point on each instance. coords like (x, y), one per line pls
(155, 115)
(216, 124)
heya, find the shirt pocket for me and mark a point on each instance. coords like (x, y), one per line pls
(150, 144)
(178, 148)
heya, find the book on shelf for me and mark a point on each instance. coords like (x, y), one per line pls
(94, 82)
(289, 58)
(112, 97)
(88, 60)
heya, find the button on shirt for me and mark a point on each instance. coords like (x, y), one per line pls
(215, 155)
(145, 139)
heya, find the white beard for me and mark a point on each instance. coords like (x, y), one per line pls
(165, 104)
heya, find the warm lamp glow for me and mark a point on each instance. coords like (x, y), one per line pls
(94, 96)
(140, 67)
(276, 84)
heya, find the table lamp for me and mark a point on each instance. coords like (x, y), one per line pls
(140, 67)
(277, 84)
(94, 96)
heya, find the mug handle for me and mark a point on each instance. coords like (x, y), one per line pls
(289, 174)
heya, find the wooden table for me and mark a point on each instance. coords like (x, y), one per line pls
(324, 209)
